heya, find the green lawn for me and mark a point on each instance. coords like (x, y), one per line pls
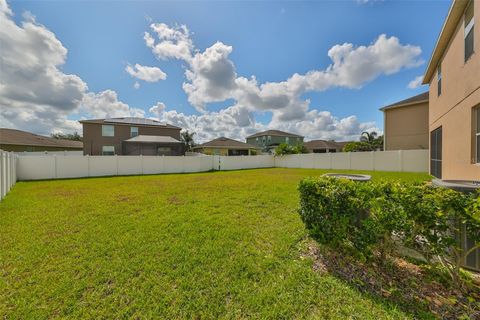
(208, 245)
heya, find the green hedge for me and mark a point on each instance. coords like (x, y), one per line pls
(375, 216)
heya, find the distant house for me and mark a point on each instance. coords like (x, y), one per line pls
(130, 136)
(22, 141)
(226, 147)
(324, 146)
(453, 75)
(406, 124)
(270, 139)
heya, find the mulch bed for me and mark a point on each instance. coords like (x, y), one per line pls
(415, 288)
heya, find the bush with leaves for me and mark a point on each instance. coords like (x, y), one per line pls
(376, 216)
(284, 148)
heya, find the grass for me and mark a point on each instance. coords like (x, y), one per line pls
(208, 245)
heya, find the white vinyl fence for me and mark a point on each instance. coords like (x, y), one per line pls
(8, 172)
(58, 166)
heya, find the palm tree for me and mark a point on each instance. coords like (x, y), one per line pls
(187, 139)
(368, 137)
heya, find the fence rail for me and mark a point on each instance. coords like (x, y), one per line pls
(8, 172)
(58, 166)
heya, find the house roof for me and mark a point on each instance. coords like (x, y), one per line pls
(152, 139)
(225, 143)
(132, 121)
(18, 137)
(323, 144)
(449, 26)
(274, 133)
(419, 98)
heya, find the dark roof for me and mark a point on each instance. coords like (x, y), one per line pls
(324, 144)
(18, 137)
(153, 139)
(422, 97)
(223, 142)
(132, 120)
(274, 133)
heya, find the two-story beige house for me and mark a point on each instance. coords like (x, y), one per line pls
(453, 74)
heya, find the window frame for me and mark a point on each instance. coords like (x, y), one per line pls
(131, 132)
(476, 132)
(439, 80)
(104, 131)
(467, 29)
(108, 153)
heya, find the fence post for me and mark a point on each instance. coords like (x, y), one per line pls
(1, 174)
(400, 160)
(88, 165)
(7, 172)
(55, 164)
(141, 162)
(372, 159)
(349, 161)
(116, 162)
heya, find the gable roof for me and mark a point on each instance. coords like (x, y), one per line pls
(419, 98)
(323, 144)
(19, 137)
(226, 143)
(141, 122)
(455, 14)
(277, 133)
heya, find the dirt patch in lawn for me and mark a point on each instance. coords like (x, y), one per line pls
(413, 287)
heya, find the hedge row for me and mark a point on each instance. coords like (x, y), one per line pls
(376, 216)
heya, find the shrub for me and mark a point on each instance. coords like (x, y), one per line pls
(375, 216)
(284, 148)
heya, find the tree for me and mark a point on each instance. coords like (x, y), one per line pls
(369, 141)
(187, 139)
(70, 136)
(284, 148)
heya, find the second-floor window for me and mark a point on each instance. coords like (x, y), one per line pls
(439, 80)
(287, 139)
(108, 130)
(468, 32)
(133, 131)
(477, 134)
(269, 138)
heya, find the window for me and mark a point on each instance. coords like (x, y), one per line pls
(468, 31)
(269, 138)
(133, 131)
(477, 134)
(108, 130)
(108, 150)
(436, 153)
(439, 80)
(286, 139)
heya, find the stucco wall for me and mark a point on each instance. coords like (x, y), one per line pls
(453, 109)
(406, 128)
(93, 139)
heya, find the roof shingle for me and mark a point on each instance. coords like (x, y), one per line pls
(18, 137)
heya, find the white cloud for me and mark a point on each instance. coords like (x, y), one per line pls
(211, 76)
(35, 94)
(415, 83)
(145, 73)
(174, 42)
(136, 85)
(105, 104)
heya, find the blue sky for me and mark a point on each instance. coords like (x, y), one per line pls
(269, 40)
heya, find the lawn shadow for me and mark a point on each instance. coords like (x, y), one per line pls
(414, 288)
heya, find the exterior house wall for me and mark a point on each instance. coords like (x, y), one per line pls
(406, 128)
(93, 139)
(263, 141)
(453, 109)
